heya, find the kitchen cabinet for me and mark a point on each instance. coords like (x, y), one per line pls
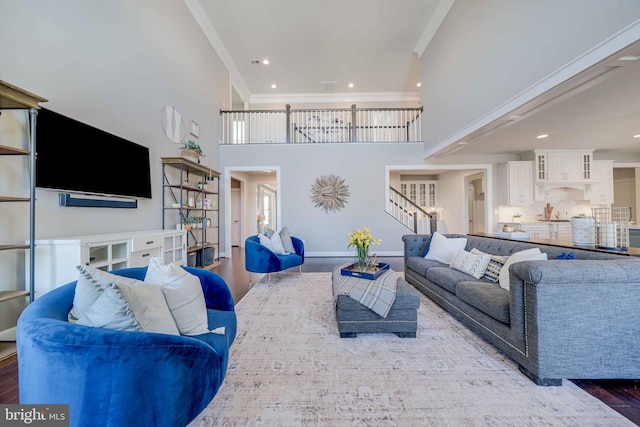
(516, 181)
(537, 231)
(422, 193)
(56, 258)
(601, 190)
(563, 166)
(17, 207)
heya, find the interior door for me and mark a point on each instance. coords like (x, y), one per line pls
(236, 214)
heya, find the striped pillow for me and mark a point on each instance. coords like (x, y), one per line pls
(492, 273)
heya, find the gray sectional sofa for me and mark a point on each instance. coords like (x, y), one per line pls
(561, 318)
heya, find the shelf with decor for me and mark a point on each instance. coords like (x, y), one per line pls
(17, 149)
(190, 197)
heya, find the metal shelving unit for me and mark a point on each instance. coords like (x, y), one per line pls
(15, 98)
(177, 191)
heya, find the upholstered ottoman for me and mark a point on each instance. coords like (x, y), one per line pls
(354, 318)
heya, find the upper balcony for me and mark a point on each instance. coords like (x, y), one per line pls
(309, 126)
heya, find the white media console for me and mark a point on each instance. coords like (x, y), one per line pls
(57, 258)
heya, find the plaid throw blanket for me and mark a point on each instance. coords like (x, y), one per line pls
(378, 295)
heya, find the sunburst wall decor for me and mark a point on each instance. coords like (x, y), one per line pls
(329, 192)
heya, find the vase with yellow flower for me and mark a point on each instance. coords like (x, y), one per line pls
(362, 239)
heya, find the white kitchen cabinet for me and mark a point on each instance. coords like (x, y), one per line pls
(56, 258)
(601, 190)
(536, 231)
(558, 166)
(560, 231)
(422, 193)
(516, 181)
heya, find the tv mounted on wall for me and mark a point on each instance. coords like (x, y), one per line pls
(73, 156)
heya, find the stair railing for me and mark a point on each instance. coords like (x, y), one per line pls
(409, 214)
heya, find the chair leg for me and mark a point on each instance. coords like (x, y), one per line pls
(269, 279)
(300, 268)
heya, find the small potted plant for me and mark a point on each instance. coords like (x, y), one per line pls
(191, 150)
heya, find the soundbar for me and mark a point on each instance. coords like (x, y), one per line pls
(66, 200)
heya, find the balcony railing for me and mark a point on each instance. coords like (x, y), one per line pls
(340, 125)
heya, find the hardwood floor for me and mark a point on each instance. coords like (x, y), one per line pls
(621, 395)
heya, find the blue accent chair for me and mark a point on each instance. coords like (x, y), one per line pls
(260, 259)
(122, 378)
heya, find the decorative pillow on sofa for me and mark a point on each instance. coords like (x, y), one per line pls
(131, 307)
(496, 263)
(470, 263)
(274, 243)
(287, 243)
(91, 283)
(444, 249)
(533, 254)
(184, 296)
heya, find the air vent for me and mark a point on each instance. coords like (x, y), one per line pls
(255, 61)
(328, 86)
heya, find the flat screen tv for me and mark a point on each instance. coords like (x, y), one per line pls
(73, 156)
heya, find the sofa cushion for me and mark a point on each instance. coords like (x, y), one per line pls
(487, 297)
(420, 265)
(470, 263)
(492, 272)
(447, 278)
(444, 249)
(289, 260)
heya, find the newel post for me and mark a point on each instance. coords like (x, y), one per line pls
(353, 123)
(288, 114)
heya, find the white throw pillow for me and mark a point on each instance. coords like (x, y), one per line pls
(496, 263)
(126, 307)
(470, 263)
(444, 250)
(274, 243)
(287, 243)
(183, 293)
(149, 307)
(533, 254)
(91, 283)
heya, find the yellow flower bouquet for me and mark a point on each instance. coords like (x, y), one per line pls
(362, 239)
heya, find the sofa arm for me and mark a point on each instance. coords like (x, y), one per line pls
(116, 376)
(580, 316)
(415, 244)
(299, 246)
(260, 259)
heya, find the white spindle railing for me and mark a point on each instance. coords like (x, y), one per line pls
(321, 125)
(409, 214)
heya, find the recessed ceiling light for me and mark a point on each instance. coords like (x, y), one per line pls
(514, 117)
(636, 136)
(265, 61)
(544, 135)
(350, 84)
(419, 84)
(629, 58)
(273, 86)
(463, 143)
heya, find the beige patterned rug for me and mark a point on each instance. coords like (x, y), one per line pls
(289, 367)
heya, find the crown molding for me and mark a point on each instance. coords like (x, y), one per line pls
(306, 98)
(442, 9)
(205, 24)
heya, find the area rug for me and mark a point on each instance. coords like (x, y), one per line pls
(289, 367)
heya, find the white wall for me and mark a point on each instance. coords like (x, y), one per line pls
(488, 51)
(114, 65)
(363, 166)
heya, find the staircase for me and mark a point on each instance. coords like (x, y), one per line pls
(409, 214)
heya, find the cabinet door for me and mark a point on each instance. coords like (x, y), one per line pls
(601, 190)
(517, 179)
(569, 166)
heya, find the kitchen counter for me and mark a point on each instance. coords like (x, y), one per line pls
(566, 244)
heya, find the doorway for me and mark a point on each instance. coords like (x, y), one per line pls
(242, 186)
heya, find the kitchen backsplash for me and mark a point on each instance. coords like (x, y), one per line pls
(564, 207)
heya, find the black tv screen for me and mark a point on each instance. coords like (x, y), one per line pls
(76, 157)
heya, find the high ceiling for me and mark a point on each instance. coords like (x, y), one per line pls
(369, 43)
(318, 47)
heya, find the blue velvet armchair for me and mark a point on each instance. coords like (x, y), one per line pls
(260, 259)
(122, 378)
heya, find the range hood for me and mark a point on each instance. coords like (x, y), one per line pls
(582, 186)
